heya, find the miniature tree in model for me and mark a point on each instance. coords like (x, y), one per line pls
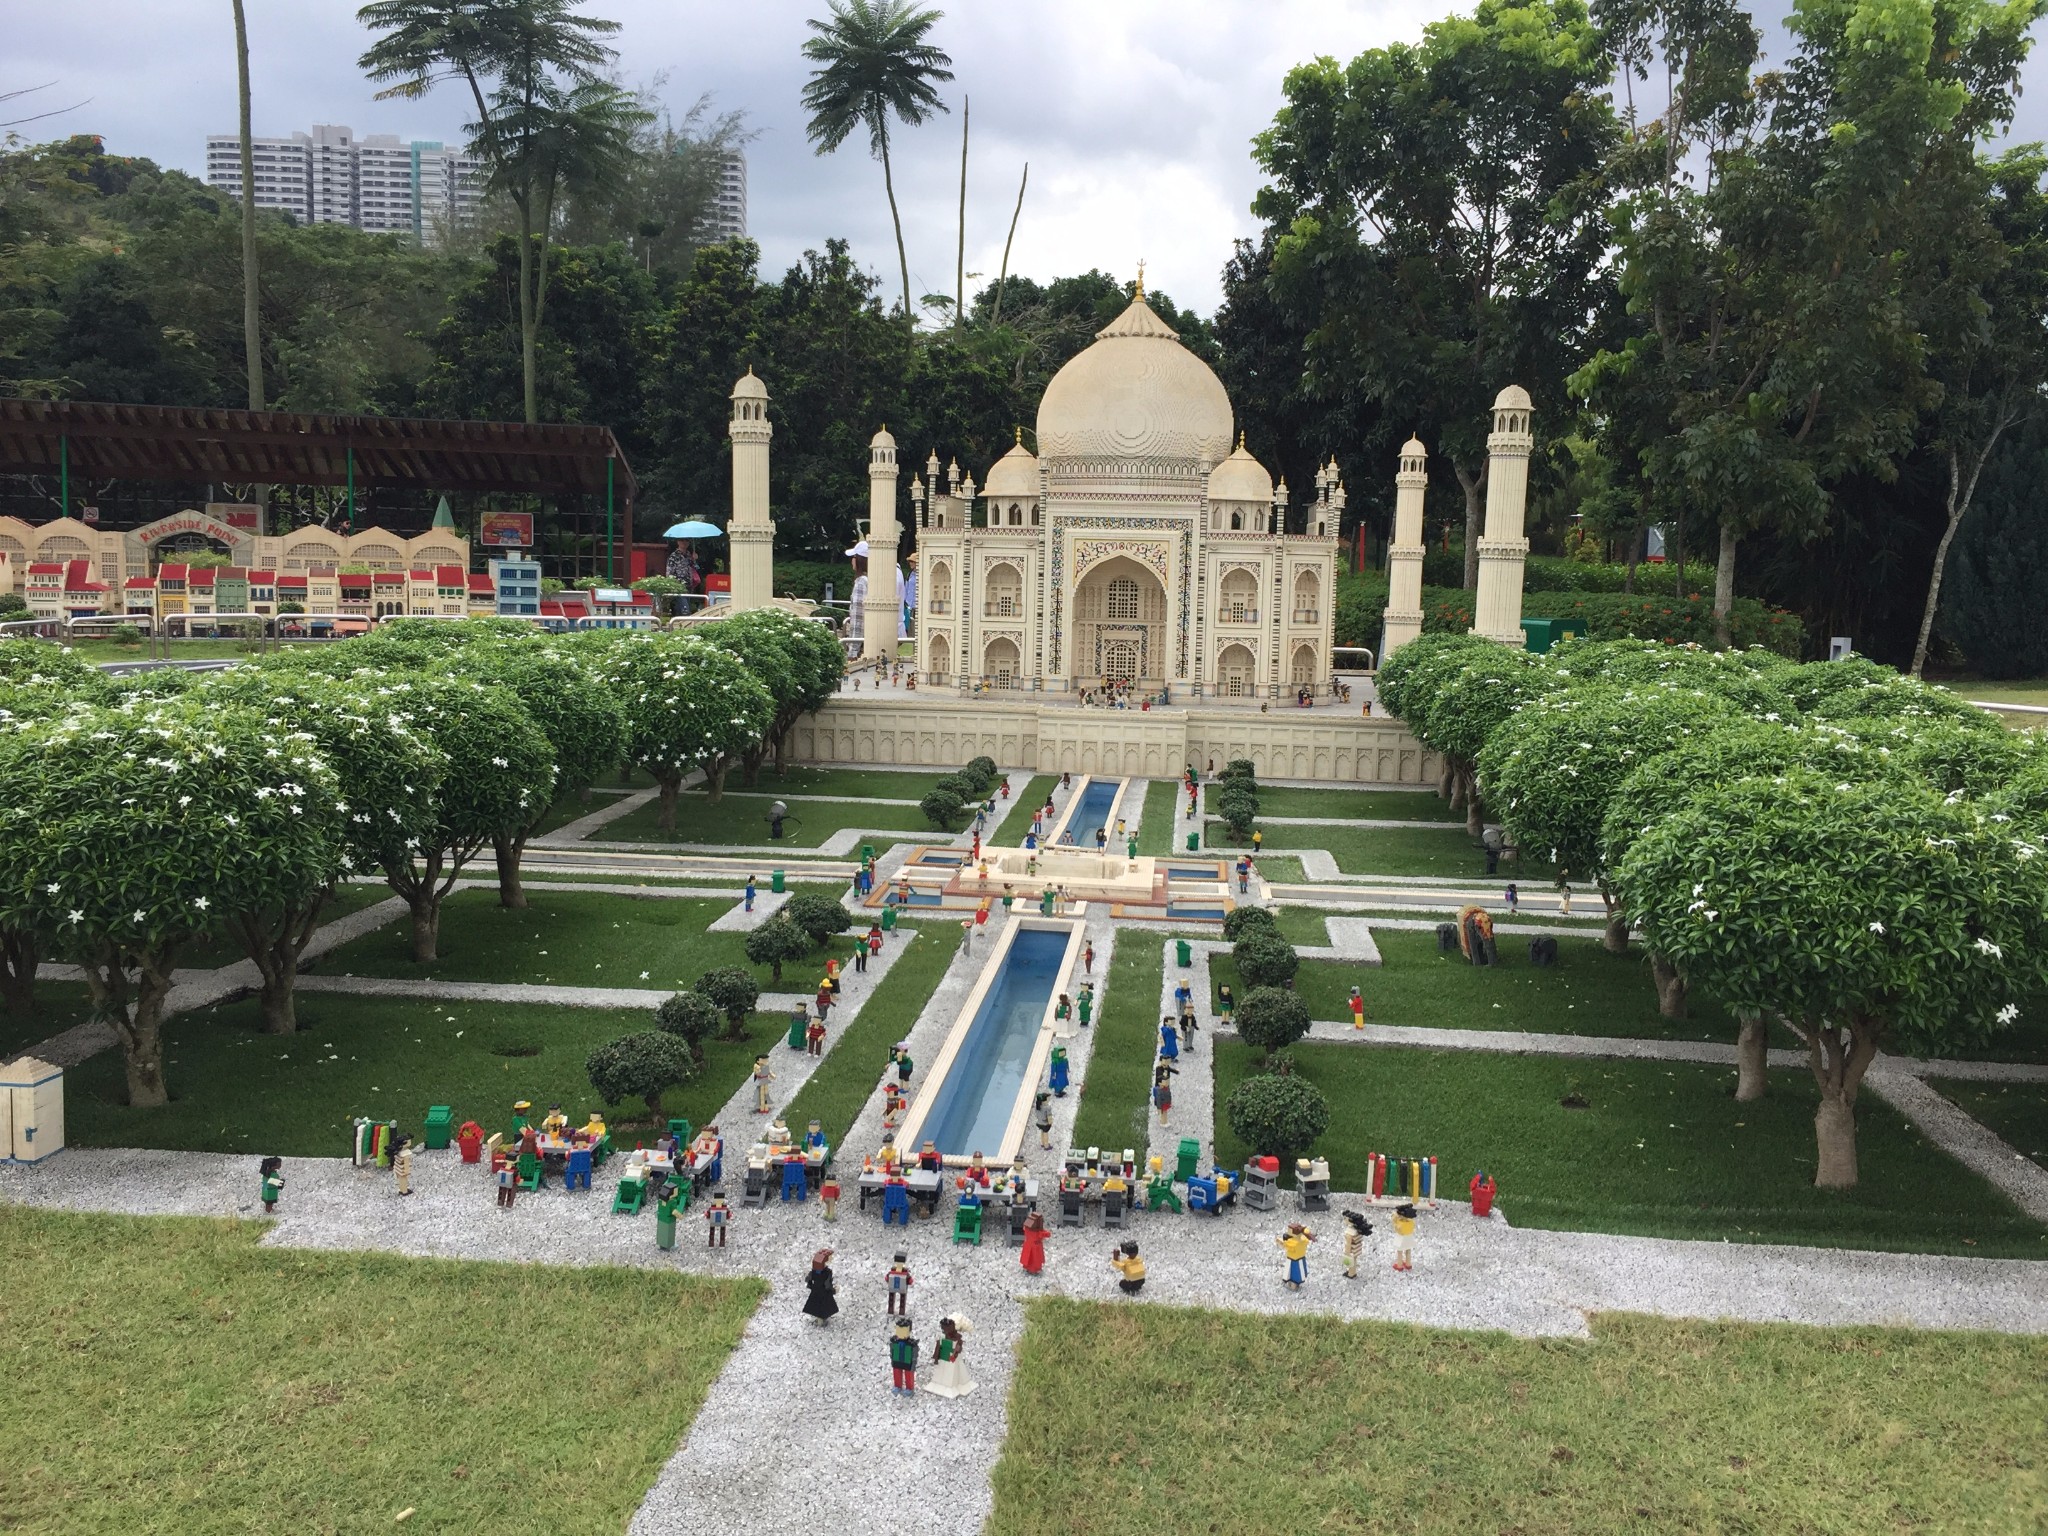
(797, 660)
(1271, 1019)
(691, 1018)
(1265, 959)
(733, 991)
(647, 1064)
(776, 943)
(1278, 1114)
(818, 916)
(689, 705)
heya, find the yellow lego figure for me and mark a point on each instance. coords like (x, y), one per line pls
(1404, 1237)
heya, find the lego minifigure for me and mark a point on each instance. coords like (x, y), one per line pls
(875, 940)
(1042, 1118)
(928, 1159)
(778, 1132)
(750, 893)
(903, 1360)
(977, 1169)
(1357, 1009)
(1062, 1010)
(1356, 1230)
(799, 1022)
(1162, 1089)
(897, 1283)
(1187, 1026)
(1085, 1004)
(1169, 1038)
(271, 1172)
(665, 1211)
(1019, 1174)
(1513, 898)
(763, 1076)
(1226, 1002)
(1058, 1072)
(1087, 963)
(1129, 1266)
(948, 1376)
(903, 1064)
(892, 1106)
(401, 1165)
(508, 1184)
(1033, 1256)
(555, 1122)
(814, 1037)
(1294, 1243)
(823, 1302)
(1404, 1237)
(828, 1196)
(717, 1215)
(814, 1136)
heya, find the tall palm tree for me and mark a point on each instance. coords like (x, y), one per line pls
(252, 321)
(874, 64)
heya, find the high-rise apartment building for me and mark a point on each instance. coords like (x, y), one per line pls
(378, 183)
(726, 219)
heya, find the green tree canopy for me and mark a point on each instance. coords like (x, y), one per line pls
(689, 706)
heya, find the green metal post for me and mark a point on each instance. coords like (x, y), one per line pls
(64, 476)
(611, 570)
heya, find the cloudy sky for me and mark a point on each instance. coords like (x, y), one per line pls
(1135, 115)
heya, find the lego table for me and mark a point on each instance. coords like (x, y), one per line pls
(925, 1188)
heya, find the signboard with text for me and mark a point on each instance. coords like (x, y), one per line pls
(504, 530)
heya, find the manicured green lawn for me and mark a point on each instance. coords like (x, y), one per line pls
(860, 783)
(1444, 851)
(1351, 804)
(1588, 992)
(237, 1388)
(221, 949)
(1274, 870)
(1116, 1086)
(2006, 691)
(237, 1090)
(853, 1069)
(58, 1006)
(744, 819)
(1129, 1419)
(1157, 819)
(568, 938)
(1029, 794)
(2016, 1111)
(97, 651)
(1663, 1150)
(573, 807)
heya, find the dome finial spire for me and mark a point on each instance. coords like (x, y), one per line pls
(1141, 279)
(1020, 435)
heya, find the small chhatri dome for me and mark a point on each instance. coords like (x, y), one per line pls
(749, 387)
(1240, 478)
(1136, 393)
(1413, 449)
(1015, 475)
(1513, 398)
(882, 439)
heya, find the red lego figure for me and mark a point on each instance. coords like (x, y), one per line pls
(1033, 1256)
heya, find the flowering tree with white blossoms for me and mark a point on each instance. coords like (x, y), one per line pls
(689, 705)
(31, 697)
(1861, 914)
(388, 774)
(128, 831)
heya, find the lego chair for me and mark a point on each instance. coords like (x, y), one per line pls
(1159, 1192)
(1070, 1208)
(795, 1184)
(531, 1173)
(631, 1192)
(1112, 1208)
(896, 1204)
(756, 1191)
(967, 1224)
(1019, 1210)
(576, 1170)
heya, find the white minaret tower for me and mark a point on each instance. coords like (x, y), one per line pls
(1404, 557)
(885, 604)
(751, 534)
(1498, 613)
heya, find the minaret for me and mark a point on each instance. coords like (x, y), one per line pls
(885, 605)
(1404, 558)
(751, 534)
(1498, 613)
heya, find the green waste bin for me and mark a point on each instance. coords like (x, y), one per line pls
(867, 852)
(888, 919)
(440, 1128)
(680, 1129)
(1539, 635)
(1194, 842)
(1185, 951)
(775, 881)
(1184, 1169)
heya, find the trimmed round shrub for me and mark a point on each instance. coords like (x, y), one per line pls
(647, 1064)
(1278, 1115)
(732, 990)
(1243, 920)
(691, 1018)
(1270, 1019)
(776, 943)
(941, 808)
(986, 767)
(1265, 959)
(819, 917)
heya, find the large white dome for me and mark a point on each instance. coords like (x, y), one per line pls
(1137, 393)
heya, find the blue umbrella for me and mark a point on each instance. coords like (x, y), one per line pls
(697, 528)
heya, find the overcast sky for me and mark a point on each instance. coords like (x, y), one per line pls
(1136, 115)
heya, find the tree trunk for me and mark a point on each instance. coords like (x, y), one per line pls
(670, 789)
(17, 972)
(1003, 277)
(960, 250)
(1474, 822)
(1834, 1127)
(140, 1028)
(1457, 782)
(1960, 494)
(426, 924)
(1443, 781)
(1475, 519)
(529, 322)
(278, 1000)
(1752, 1064)
(252, 321)
(1724, 588)
(1614, 937)
(1670, 988)
(896, 219)
(714, 781)
(510, 849)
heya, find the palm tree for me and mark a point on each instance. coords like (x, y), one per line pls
(874, 64)
(252, 322)
(546, 119)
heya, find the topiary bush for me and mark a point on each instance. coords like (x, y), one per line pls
(1278, 1114)
(777, 942)
(1238, 804)
(1265, 959)
(942, 809)
(647, 1064)
(691, 1018)
(1243, 920)
(1270, 1019)
(819, 917)
(733, 991)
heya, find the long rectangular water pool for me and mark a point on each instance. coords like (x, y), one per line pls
(974, 1105)
(1091, 809)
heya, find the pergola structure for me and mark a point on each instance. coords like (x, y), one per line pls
(198, 443)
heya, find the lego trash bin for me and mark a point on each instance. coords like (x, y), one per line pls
(1482, 1189)
(470, 1142)
(1185, 952)
(31, 1110)
(1184, 1164)
(867, 853)
(1194, 842)
(440, 1128)
(775, 881)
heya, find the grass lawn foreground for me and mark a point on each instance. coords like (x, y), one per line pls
(1191, 1420)
(174, 1376)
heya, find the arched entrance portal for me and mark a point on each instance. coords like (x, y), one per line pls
(1120, 626)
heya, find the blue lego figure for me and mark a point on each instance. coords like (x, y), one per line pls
(896, 1204)
(794, 1184)
(576, 1171)
(814, 1137)
(1169, 1042)
(750, 893)
(1058, 1079)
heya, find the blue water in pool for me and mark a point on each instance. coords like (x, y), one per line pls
(979, 1094)
(1092, 811)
